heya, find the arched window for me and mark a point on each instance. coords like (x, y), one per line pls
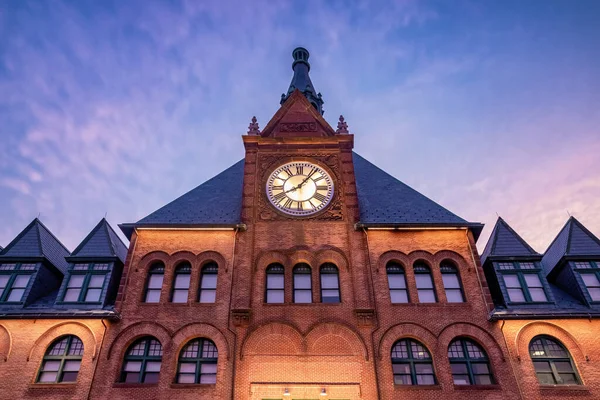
(452, 285)
(181, 283)
(142, 361)
(208, 283)
(412, 363)
(274, 292)
(156, 274)
(302, 284)
(469, 363)
(62, 360)
(424, 281)
(198, 362)
(330, 284)
(552, 362)
(397, 283)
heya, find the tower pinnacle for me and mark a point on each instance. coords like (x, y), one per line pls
(301, 80)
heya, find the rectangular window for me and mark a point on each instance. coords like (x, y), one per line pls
(18, 288)
(425, 288)
(398, 290)
(208, 288)
(275, 289)
(154, 287)
(527, 265)
(7, 267)
(593, 285)
(535, 288)
(181, 288)
(94, 289)
(513, 286)
(582, 265)
(302, 288)
(506, 265)
(74, 288)
(3, 283)
(330, 288)
(453, 289)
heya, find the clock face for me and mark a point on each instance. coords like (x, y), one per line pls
(300, 188)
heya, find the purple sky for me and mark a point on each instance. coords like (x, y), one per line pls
(120, 107)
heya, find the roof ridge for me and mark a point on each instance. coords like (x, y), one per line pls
(52, 235)
(110, 242)
(517, 236)
(576, 222)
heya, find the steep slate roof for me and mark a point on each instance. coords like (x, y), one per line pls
(505, 242)
(37, 241)
(573, 240)
(382, 200)
(101, 242)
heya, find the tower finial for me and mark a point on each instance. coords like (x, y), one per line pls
(253, 127)
(301, 80)
(342, 127)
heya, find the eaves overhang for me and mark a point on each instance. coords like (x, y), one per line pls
(512, 315)
(474, 227)
(128, 229)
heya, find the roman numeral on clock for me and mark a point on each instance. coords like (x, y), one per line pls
(299, 170)
(279, 196)
(320, 197)
(288, 203)
(288, 171)
(322, 187)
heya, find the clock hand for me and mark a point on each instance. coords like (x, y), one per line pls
(307, 178)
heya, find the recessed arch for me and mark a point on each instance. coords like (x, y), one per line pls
(292, 340)
(5, 343)
(79, 329)
(534, 328)
(135, 331)
(196, 330)
(336, 329)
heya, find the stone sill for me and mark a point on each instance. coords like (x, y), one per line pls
(53, 386)
(477, 387)
(417, 387)
(565, 388)
(124, 385)
(193, 385)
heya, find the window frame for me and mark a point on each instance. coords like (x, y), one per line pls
(552, 359)
(85, 288)
(144, 359)
(274, 269)
(12, 277)
(183, 268)
(413, 361)
(156, 268)
(593, 269)
(520, 273)
(468, 361)
(210, 268)
(331, 266)
(450, 268)
(198, 361)
(304, 269)
(395, 268)
(62, 359)
(421, 268)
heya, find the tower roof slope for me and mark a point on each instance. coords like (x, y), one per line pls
(37, 241)
(505, 242)
(383, 200)
(101, 242)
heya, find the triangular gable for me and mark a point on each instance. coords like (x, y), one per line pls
(297, 118)
(384, 199)
(101, 242)
(37, 241)
(505, 242)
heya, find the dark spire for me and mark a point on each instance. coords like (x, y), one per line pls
(301, 80)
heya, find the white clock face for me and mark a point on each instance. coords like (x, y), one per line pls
(300, 188)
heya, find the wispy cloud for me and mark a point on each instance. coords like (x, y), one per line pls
(120, 107)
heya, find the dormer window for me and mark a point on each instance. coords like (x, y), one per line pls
(522, 282)
(86, 282)
(14, 280)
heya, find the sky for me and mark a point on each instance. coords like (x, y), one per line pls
(118, 107)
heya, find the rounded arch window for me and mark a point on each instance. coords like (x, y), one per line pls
(330, 283)
(181, 282)
(552, 362)
(469, 363)
(302, 283)
(208, 283)
(62, 360)
(452, 282)
(156, 275)
(412, 363)
(198, 362)
(275, 290)
(142, 361)
(424, 282)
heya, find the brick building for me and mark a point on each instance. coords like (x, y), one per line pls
(303, 271)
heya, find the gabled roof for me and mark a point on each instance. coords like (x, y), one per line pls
(101, 242)
(573, 240)
(216, 202)
(382, 199)
(505, 242)
(36, 241)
